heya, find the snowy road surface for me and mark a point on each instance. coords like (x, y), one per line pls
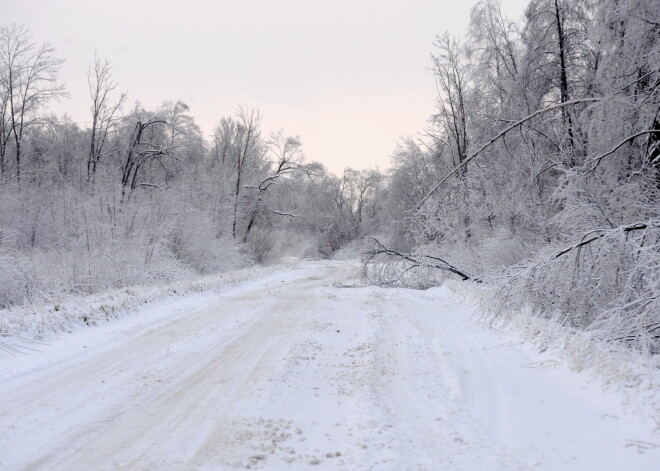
(292, 372)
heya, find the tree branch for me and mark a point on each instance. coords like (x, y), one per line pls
(281, 213)
(618, 146)
(498, 136)
(149, 185)
(382, 250)
(633, 227)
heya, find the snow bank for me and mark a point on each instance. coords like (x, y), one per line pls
(28, 324)
(633, 375)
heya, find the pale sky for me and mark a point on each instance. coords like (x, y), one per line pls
(348, 77)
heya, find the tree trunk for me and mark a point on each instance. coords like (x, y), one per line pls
(238, 187)
(563, 82)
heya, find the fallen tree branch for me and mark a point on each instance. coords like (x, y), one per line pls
(635, 334)
(282, 213)
(634, 227)
(415, 260)
(151, 185)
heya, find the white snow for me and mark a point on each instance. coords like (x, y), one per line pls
(291, 371)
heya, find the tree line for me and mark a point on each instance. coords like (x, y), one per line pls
(540, 169)
(140, 196)
(538, 173)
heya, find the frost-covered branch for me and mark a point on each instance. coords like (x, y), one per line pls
(597, 160)
(603, 233)
(496, 138)
(417, 260)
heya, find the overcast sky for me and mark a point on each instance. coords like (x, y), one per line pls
(348, 77)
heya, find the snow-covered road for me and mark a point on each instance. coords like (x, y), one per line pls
(293, 372)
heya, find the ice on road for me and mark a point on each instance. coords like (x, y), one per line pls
(293, 372)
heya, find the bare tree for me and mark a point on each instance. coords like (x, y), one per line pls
(28, 75)
(249, 146)
(103, 111)
(559, 50)
(5, 121)
(452, 79)
(140, 152)
(223, 141)
(288, 159)
(494, 38)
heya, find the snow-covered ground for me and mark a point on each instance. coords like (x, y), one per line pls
(293, 371)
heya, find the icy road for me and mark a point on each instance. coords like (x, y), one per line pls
(292, 372)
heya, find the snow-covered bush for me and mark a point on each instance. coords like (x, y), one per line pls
(607, 283)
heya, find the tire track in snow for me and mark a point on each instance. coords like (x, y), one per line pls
(158, 387)
(295, 373)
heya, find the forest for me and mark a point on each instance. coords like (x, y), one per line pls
(537, 175)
